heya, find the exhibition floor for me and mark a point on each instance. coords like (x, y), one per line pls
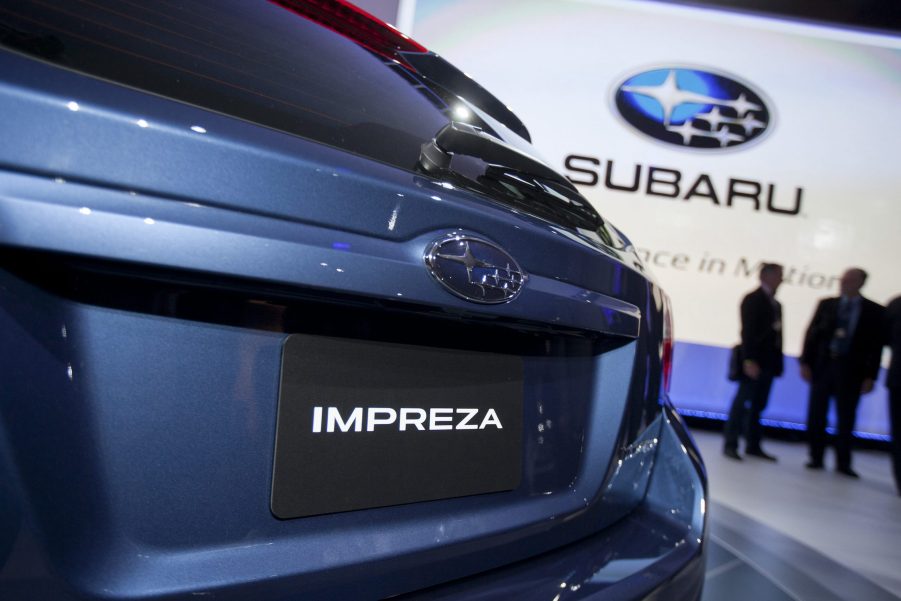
(783, 532)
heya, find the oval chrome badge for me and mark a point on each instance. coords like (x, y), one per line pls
(475, 269)
(692, 108)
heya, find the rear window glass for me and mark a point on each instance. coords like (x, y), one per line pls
(249, 59)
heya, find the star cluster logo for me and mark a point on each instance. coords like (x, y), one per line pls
(692, 108)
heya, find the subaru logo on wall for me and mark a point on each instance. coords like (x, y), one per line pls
(693, 108)
(475, 269)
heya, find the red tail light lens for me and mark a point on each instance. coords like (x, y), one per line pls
(666, 353)
(356, 24)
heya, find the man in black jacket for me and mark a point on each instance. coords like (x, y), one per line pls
(761, 355)
(893, 381)
(841, 356)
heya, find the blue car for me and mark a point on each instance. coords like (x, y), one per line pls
(291, 309)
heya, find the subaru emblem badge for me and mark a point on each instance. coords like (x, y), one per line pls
(475, 269)
(693, 108)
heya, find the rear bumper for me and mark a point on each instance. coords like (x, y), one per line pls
(656, 552)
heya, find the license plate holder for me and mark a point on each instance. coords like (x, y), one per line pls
(422, 424)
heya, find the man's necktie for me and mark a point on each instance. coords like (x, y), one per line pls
(841, 339)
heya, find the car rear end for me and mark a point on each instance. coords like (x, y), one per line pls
(255, 346)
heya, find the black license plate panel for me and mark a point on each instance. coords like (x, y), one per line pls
(365, 424)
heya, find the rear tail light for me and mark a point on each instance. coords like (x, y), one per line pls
(355, 24)
(666, 352)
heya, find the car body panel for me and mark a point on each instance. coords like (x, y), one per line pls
(150, 275)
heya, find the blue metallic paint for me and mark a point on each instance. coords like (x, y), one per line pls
(136, 450)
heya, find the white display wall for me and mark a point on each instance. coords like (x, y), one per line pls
(817, 189)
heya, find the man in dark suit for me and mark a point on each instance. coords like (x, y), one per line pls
(841, 356)
(761, 355)
(893, 381)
